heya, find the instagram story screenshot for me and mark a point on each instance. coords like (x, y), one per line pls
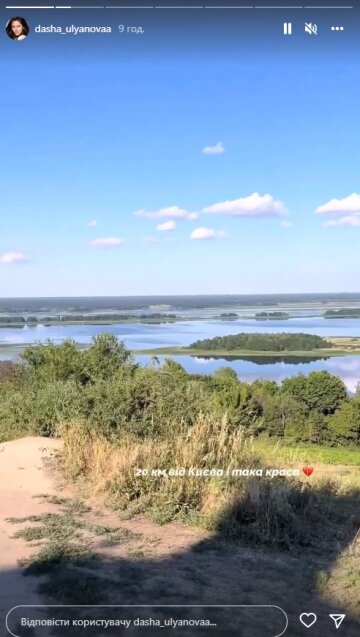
(180, 318)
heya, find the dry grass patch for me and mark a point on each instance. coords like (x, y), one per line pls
(280, 512)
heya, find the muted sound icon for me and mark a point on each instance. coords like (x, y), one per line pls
(310, 28)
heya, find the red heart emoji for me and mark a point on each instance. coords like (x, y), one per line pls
(308, 470)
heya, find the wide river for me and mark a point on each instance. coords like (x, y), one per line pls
(142, 336)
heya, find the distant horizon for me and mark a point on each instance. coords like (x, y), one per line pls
(192, 295)
(119, 296)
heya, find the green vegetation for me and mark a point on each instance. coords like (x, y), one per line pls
(117, 418)
(271, 315)
(283, 514)
(104, 387)
(333, 346)
(65, 547)
(9, 320)
(7, 369)
(281, 450)
(290, 356)
(104, 319)
(229, 315)
(344, 312)
(263, 342)
(62, 533)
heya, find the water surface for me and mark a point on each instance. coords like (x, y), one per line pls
(142, 336)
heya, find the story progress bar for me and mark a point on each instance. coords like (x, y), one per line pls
(42, 7)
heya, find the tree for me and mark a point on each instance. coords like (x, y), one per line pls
(319, 391)
(297, 387)
(105, 355)
(285, 416)
(326, 392)
(228, 397)
(317, 428)
(268, 386)
(344, 425)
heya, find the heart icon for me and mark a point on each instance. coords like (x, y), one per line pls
(308, 470)
(308, 619)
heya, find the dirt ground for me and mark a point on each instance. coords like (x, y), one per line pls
(141, 562)
(22, 476)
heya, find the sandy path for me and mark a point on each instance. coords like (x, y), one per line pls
(22, 476)
(164, 564)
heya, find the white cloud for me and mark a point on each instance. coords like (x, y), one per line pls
(347, 205)
(351, 220)
(166, 226)
(207, 233)
(107, 242)
(286, 224)
(217, 149)
(12, 257)
(92, 224)
(171, 212)
(253, 206)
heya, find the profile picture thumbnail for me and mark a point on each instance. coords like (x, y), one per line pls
(17, 28)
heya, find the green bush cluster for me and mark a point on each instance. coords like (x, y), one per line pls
(104, 386)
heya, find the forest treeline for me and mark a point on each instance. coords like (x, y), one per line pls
(73, 318)
(103, 386)
(263, 342)
(345, 312)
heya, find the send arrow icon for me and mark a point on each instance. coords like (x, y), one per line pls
(338, 619)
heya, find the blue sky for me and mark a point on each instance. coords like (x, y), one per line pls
(166, 175)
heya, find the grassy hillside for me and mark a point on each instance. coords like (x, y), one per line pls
(275, 468)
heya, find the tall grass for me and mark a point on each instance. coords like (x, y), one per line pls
(116, 466)
(278, 512)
